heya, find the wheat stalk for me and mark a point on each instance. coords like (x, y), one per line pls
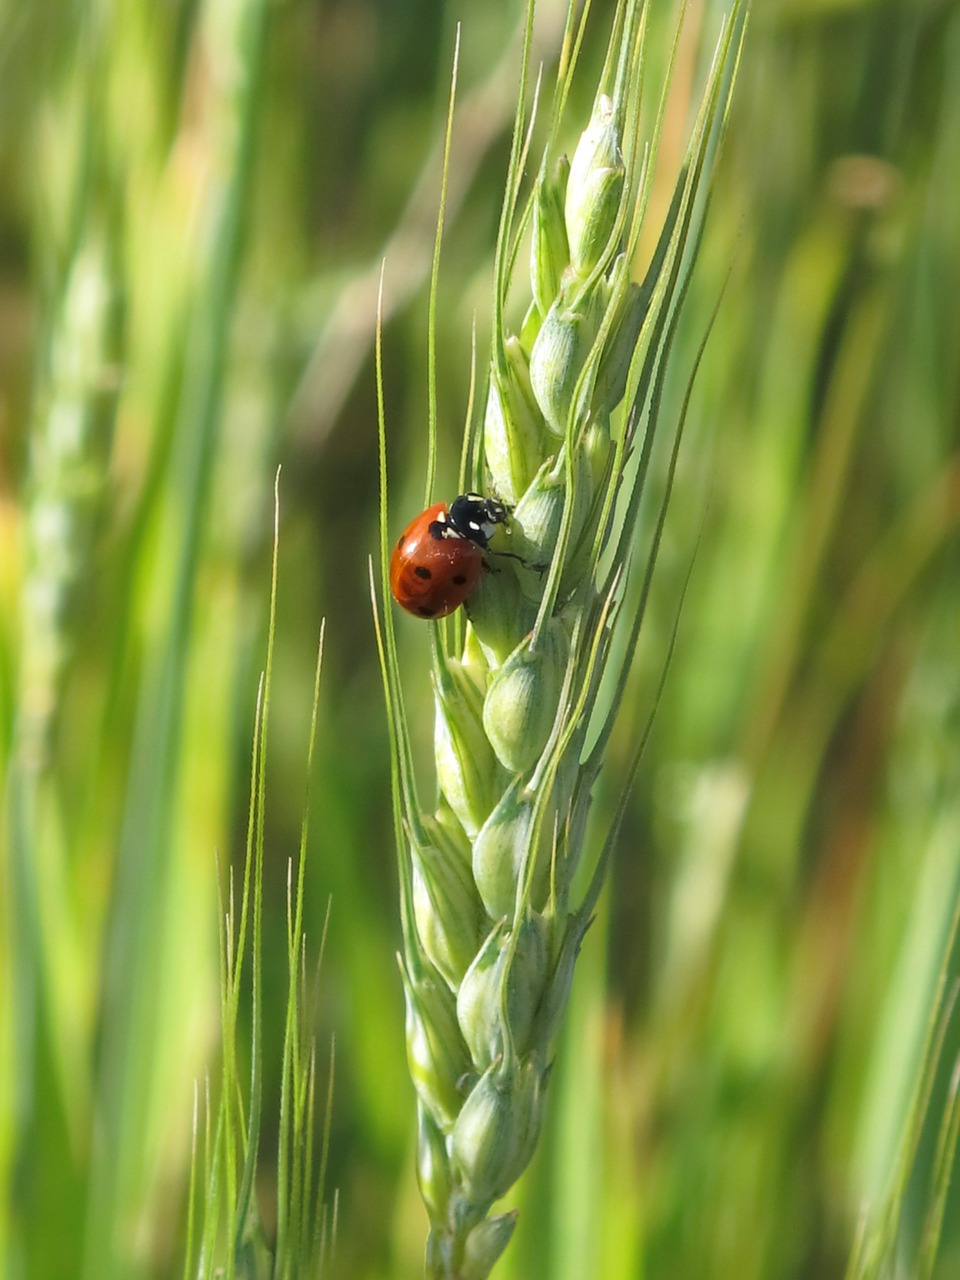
(526, 694)
(71, 436)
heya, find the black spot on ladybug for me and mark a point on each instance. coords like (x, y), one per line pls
(459, 579)
(423, 572)
(424, 612)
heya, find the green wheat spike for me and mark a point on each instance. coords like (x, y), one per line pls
(491, 922)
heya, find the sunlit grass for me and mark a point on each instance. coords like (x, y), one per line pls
(753, 1001)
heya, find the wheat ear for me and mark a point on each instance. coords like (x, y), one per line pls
(527, 692)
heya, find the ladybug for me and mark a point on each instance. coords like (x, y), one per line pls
(439, 557)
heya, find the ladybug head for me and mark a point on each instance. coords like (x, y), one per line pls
(475, 517)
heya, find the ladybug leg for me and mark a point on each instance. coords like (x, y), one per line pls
(527, 564)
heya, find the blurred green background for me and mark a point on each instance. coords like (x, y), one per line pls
(195, 197)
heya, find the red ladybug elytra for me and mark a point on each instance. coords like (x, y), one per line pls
(440, 555)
